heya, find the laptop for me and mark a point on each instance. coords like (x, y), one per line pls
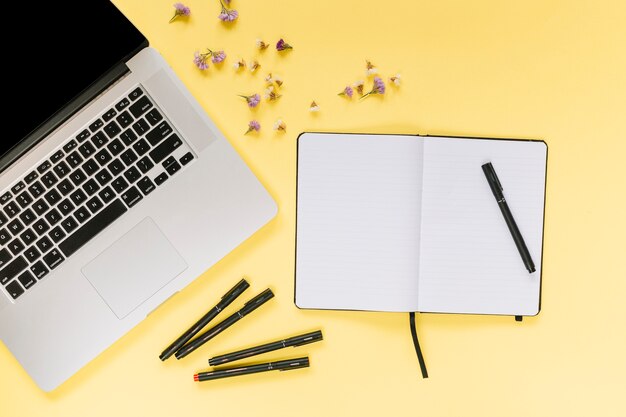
(116, 189)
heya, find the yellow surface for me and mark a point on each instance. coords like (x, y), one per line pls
(554, 70)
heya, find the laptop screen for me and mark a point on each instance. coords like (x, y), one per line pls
(75, 42)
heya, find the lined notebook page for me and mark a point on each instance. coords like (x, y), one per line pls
(358, 220)
(469, 262)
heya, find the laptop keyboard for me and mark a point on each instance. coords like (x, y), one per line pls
(89, 182)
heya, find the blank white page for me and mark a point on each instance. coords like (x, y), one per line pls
(469, 262)
(358, 220)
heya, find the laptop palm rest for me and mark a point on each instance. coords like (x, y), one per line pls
(134, 268)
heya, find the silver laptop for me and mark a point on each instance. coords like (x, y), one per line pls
(116, 189)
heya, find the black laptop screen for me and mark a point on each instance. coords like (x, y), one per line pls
(58, 50)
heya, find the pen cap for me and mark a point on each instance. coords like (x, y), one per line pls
(492, 179)
(236, 290)
(256, 302)
(307, 338)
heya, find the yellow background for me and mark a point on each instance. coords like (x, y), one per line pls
(553, 70)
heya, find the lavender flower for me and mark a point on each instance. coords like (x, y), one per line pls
(227, 15)
(377, 88)
(200, 60)
(347, 92)
(218, 57)
(252, 100)
(253, 126)
(281, 45)
(180, 10)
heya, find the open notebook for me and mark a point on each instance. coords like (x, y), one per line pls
(409, 223)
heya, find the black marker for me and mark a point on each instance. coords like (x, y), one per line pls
(285, 365)
(248, 308)
(228, 298)
(496, 188)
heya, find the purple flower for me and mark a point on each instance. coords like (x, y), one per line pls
(200, 60)
(377, 88)
(252, 100)
(253, 126)
(347, 92)
(281, 45)
(218, 57)
(180, 10)
(228, 15)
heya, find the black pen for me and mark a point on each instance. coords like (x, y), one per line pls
(228, 298)
(285, 365)
(268, 347)
(496, 188)
(248, 308)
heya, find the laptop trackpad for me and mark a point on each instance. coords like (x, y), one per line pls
(134, 268)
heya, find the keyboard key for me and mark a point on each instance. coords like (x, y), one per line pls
(129, 157)
(131, 196)
(78, 197)
(15, 227)
(44, 244)
(99, 139)
(27, 279)
(160, 132)
(41, 227)
(140, 106)
(94, 204)
(18, 187)
(57, 156)
(145, 164)
(112, 129)
(57, 234)
(173, 168)
(90, 167)
(44, 166)
(115, 147)
(132, 175)
(103, 177)
(5, 257)
(119, 184)
(116, 167)
(5, 236)
(12, 209)
(103, 157)
(186, 158)
(32, 254)
(24, 199)
(96, 125)
(53, 217)
(135, 94)
(141, 147)
(28, 236)
(91, 187)
(78, 177)
(53, 258)
(65, 207)
(86, 149)
(15, 289)
(40, 207)
(27, 217)
(39, 269)
(61, 169)
(74, 159)
(83, 135)
(94, 226)
(161, 178)
(70, 145)
(49, 179)
(16, 246)
(141, 127)
(146, 185)
(52, 197)
(36, 189)
(82, 214)
(165, 148)
(109, 115)
(5, 197)
(12, 269)
(128, 137)
(124, 119)
(106, 195)
(65, 187)
(153, 117)
(3, 219)
(31, 177)
(122, 104)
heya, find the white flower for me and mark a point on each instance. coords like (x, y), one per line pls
(254, 66)
(370, 68)
(269, 91)
(279, 125)
(261, 45)
(395, 79)
(314, 107)
(239, 64)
